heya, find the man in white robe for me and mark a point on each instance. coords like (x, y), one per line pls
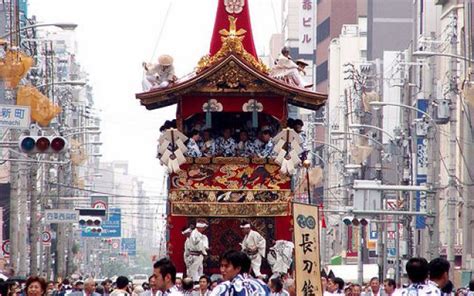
(254, 246)
(187, 248)
(286, 70)
(198, 247)
(280, 256)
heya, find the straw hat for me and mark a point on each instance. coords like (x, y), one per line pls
(165, 60)
(301, 62)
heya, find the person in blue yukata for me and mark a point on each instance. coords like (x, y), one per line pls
(235, 266)
(298, 127)
(193, 147)
(245, 148)
(226, 145)
(207, 144)
(266, 148)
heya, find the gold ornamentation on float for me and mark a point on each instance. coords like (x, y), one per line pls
(256, 209)
(231, 44)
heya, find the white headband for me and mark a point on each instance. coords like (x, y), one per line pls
(186, 231)
(201, 224)
(245, 226)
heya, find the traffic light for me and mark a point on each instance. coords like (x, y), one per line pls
(42, 144)
(90, 221)
(349, 220)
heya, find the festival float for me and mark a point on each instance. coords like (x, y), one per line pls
(230, 87)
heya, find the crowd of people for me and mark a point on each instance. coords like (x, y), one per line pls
(425, 279)
(228, 142)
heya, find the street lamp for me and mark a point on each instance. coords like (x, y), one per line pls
(71, 83)
(63, 26)
(359, 135)
(373, 127)
(428, 54)
(382, 104)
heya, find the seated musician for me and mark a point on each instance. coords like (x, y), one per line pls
(245, 148)
(207, 144)
(193, 148)
(226, 145)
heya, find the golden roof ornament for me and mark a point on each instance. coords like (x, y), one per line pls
(231, 43)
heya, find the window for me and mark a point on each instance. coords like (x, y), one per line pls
(322, 72)
(323, 30)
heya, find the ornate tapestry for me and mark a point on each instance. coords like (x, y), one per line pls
(229, 176)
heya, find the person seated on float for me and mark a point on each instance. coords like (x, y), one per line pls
(159, 75)
(266, 148)
(245, 148)
(207, 144)
(193, 148)
(226, 145)
(286, 70)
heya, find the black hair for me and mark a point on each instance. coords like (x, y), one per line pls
(285, 50)
(374, 278)
(339, 282)
(122, 282)
(277, 284)
(208, 280)
(438, 267)
(298, 122)
(266, 132)
(417, 270)
(194, 132)
(391, 282)
(162, 128)
(237, 259)
(167, 124)
(471, 285)
(166, 267)
(100, 289)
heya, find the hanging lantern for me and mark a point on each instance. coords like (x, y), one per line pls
(42, 109)
(14, 67)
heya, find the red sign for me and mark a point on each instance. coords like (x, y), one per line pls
(6, 247)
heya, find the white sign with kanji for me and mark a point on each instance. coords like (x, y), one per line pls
(17, 117)
(307, 18)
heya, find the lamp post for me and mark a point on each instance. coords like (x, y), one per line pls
(63, 26)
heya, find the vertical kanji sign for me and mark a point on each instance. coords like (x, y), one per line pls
(307, 35)
(307, 259)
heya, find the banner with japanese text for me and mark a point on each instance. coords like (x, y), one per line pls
(306, 21)
(307, 258)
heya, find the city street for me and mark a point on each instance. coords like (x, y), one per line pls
(232, 147)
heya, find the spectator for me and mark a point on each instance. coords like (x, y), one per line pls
(138, 290)
(390, 287)
(356, 290)
(374, 287)
(336, 286)
(165, 273)
(153, 288)
(439, 272)
(417, 270)
(204, 283)
(35, 286)
(276, 287)
(471, 288)
(122, 287)
(107, 284)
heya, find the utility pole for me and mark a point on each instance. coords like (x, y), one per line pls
(452, 183)
(14, 203)
(34, 225)
(23, 230)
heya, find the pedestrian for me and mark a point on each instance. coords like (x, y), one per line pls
(471, 288)
(122, 287)
(107, 284)
(204, 285)
(153, 291)
(335, 286)
(356, 290)
(234, 265)
(418, 270)
(390, 287)
(276, 287)
(35, 286)
(439, 273)
(374, 287)
(138, 290)
(165, 273)
(253, 245)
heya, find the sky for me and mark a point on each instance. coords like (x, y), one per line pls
(115, 37)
